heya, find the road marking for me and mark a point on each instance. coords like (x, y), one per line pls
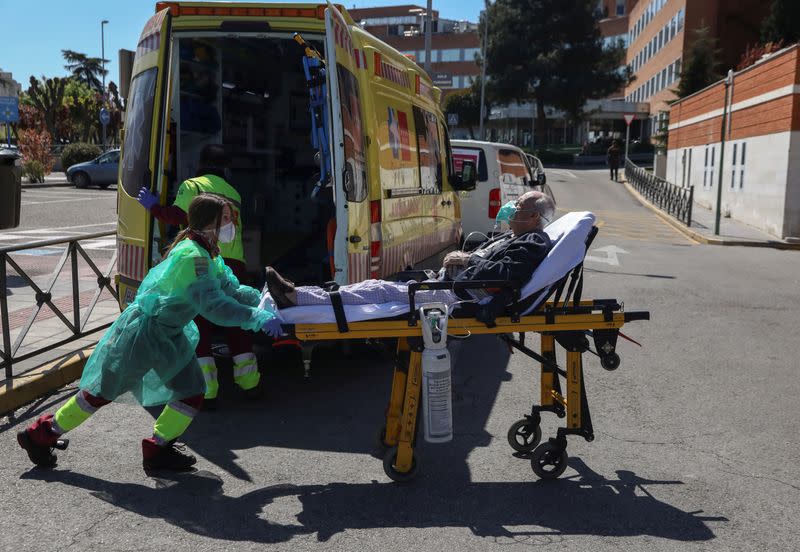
(562, 172)
(54, 201)
(612, 253)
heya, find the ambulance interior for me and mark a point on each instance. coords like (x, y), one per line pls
(249, 94)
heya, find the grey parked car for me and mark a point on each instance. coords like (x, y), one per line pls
(101, 171)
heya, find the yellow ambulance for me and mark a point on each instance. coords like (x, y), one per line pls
(233, 74)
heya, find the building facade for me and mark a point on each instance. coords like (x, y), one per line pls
(760, 169)
(454, 44)
(660, 31)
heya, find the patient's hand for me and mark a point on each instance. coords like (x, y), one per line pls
(456, 259)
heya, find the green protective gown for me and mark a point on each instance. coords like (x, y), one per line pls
(149, 350)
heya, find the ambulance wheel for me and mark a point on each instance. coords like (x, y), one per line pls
(548, 461)
(388, 467)
(610, 362)
(524, 435)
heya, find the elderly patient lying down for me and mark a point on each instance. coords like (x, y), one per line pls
(512, 256)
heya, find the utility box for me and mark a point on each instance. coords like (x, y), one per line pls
(10, 187)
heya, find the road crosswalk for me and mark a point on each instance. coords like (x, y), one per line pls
(30, 236)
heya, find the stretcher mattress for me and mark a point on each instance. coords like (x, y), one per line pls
(567, 233)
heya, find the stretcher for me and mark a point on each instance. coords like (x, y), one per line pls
(550, 304)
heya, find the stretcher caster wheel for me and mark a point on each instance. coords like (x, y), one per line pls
(524, 435)
(548, 461)
(610, 362)
(388, 467)
(379, 445)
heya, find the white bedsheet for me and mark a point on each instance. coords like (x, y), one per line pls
(568, 235)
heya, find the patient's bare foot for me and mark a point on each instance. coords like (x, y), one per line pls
(282, 290)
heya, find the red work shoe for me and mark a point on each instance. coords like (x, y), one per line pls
(39, 440)
(172, 456)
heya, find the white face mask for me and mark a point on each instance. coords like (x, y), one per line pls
(227, 232)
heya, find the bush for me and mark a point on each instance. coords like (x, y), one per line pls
(33, 170)
(34, 145)
(78, 153)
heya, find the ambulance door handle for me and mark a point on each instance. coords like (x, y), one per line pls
(354, 239)
(448, 202)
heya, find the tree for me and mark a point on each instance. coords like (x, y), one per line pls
(85, 69)
(551, 51)
(34, 145)
(467, 105)
(83, 104)
(700, 65)
(46, 96)
(783, 22)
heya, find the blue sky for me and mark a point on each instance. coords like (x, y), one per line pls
(33, 32)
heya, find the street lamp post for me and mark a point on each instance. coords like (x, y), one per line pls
(428, 25)
(483, 70)
(103, 63)
(728, 82)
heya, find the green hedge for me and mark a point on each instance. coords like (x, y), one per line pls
(78, 153)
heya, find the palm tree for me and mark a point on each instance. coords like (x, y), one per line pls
(85, 69)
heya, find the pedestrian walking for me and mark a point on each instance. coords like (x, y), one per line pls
(612, 158)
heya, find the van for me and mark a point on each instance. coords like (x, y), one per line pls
(235, 74)
(503, 174)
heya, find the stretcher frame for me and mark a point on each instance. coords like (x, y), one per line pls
(568, 324)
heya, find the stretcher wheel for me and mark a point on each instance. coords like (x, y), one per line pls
(524, 435)
(548, 461)
(388, 467)
(610, 362)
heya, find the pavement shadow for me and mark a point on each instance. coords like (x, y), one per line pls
(585, 504)
(341, 407)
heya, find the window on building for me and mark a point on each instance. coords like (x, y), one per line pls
(678, 68)
(663, 78)
(660, 39)
(733, 167)
(680, 19)
(620, 7)
(741, 165)
(450, 54)
(669, 74)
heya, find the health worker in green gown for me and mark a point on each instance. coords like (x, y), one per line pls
(149, 351)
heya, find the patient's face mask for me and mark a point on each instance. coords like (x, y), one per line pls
(505, 213)
(227, 232)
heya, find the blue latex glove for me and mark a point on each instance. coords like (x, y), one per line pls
(505, 212)
(272, 327)
(147, 198)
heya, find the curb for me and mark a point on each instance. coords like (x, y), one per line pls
(700, 238)
(57, 184)
(20, 390)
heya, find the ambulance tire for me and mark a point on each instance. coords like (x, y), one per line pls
(524, 435)
(549, 461)
(397, 476)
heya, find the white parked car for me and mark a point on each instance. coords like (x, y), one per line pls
(504, 174)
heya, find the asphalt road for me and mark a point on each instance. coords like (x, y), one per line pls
(695, 443)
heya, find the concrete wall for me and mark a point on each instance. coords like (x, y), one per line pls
(791, 215)
(758, 197)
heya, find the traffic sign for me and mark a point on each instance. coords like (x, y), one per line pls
(105, 117)
(629, 117)
(9, 109)
(452, 119)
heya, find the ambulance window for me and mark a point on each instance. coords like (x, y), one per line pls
(138, 124)
(430, 155)
(355, 169)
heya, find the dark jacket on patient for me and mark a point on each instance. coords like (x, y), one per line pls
(511, 259)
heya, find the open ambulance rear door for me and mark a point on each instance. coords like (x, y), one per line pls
(142, 151)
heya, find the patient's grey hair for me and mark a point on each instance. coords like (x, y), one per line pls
(544, 206)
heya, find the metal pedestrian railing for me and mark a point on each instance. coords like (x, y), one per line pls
(77, 322)
(674, 200)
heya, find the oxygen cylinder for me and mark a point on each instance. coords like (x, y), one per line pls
(437, 402)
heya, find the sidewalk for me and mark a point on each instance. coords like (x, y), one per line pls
(52, 179)
(731, 232)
